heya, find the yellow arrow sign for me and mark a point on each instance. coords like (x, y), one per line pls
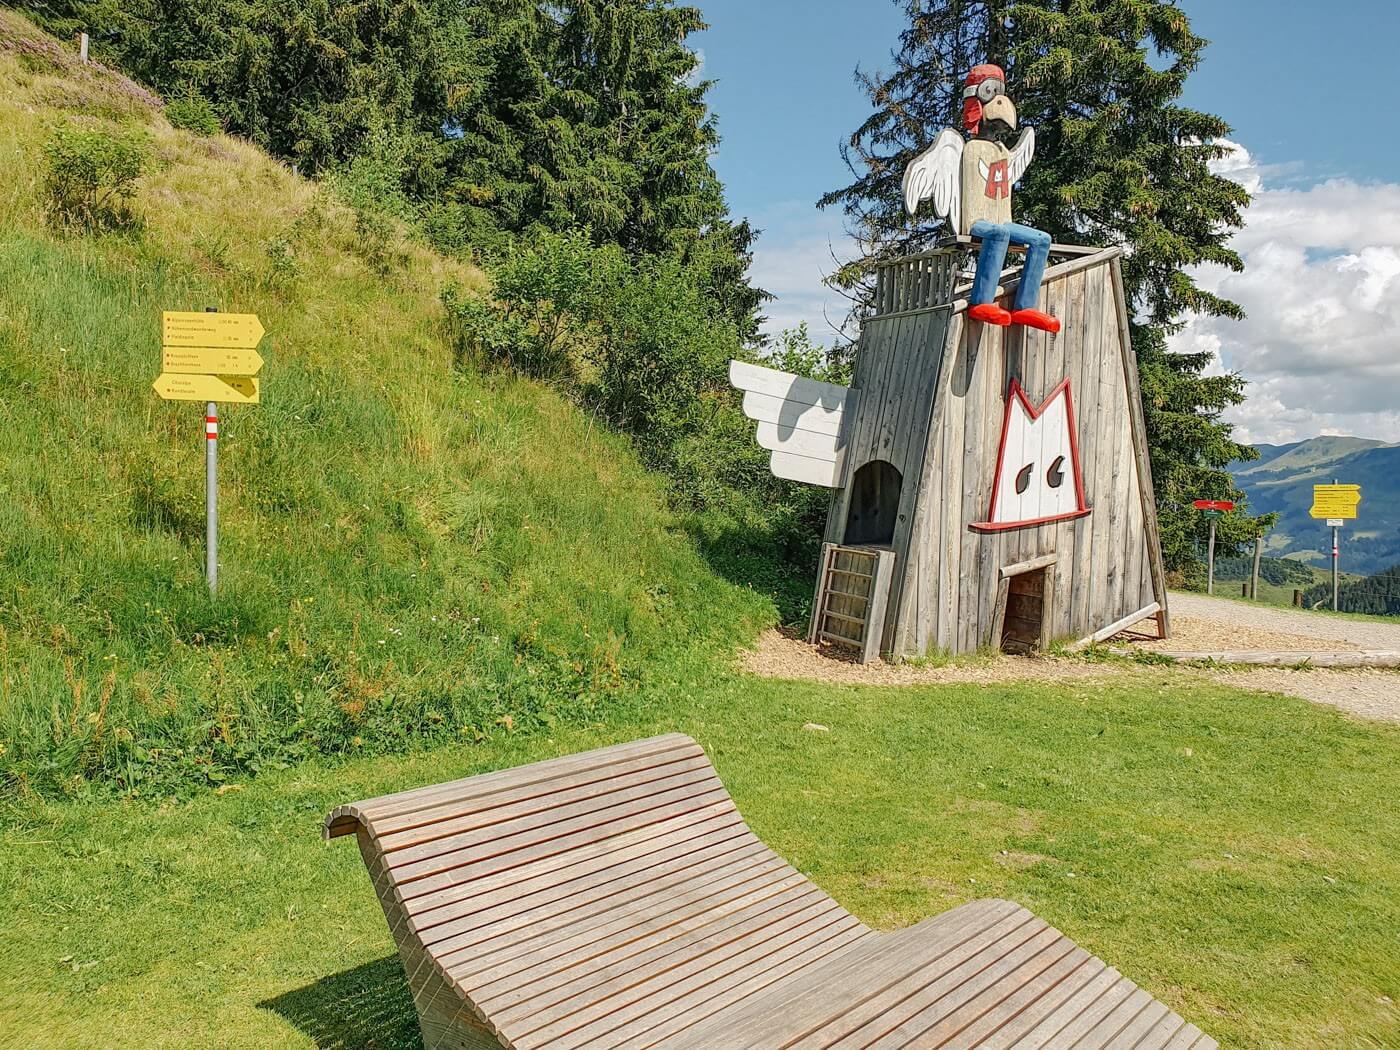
(1336, 501)
(209, 361)
(224, 331)
(234, 390)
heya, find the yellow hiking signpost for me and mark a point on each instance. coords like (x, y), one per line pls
(210, 357)
(205, 360)
(1336, 501)
(233, 390)
(225, 331)
(1336, 504)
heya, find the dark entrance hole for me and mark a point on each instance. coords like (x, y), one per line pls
(1023, 627)
(874, 504)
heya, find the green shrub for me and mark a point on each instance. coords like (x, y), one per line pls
(193, 112)
(644, 343)
(282, 266)
(90, 176)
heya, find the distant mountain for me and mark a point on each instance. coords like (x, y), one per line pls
(1282, 480)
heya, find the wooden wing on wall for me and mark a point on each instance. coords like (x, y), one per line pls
(799, 421)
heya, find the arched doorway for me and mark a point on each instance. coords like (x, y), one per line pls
(874, 506)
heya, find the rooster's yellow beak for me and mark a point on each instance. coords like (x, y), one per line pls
(1000, 108)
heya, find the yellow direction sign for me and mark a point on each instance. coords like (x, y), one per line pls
(1336, 501)
(210, 361)
(235, 390)
(223, 331)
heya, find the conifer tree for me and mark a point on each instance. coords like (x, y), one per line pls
(1118, 161)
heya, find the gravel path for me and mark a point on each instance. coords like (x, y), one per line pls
(784, 655)
(1199, 622)
(1321, 628)
(1373, 694)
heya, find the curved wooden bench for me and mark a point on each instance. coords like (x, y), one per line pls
(617, 899)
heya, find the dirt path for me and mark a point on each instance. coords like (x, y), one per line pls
(1321, 631)
(783, 655)
(1369, 694)
(1372, 694)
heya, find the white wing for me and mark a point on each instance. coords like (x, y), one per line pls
(1022, 154)
(799, 421)
(935, 175)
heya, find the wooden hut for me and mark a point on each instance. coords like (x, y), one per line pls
(991, 486)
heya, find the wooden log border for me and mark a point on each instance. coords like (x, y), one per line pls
(1119, 625)
(1283, 658)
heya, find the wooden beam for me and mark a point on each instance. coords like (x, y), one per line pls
(819, 596)
(875, 608)
(1141, 453)
(1117, 625)
(1285, 658)
(1044, 561)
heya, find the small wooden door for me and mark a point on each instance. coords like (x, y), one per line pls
(1023, 626)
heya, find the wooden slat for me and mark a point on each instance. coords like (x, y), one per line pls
(849, 978)
(570, 889)
(586, 832)
(598, 1008)
(418, 841)
(407, 803)
(454, 889)
(655, 906)
(703, 1000)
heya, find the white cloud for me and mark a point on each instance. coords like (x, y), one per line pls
(792, 257)
(1321, 287)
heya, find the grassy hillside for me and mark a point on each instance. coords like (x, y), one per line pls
(411, 550)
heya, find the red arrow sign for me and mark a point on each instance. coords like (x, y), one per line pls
(1214, 504)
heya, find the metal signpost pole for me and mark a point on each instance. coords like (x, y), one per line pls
(211, 491)
(1336, 550)
(1210, 577)
(211, 495)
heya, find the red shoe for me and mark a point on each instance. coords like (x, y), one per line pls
(1035, 319)
(990, 313)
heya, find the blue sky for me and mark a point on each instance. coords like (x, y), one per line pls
(1312, 108)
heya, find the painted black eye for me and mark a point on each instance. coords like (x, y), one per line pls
(1055, 477)
(1023, 479)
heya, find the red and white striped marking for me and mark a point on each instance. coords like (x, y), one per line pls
(211, 427)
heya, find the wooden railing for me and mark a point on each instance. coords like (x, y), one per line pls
(918, 282)
(936, 278)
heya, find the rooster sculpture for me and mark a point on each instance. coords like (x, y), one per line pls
(969, 184)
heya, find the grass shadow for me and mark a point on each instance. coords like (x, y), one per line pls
(779, 561)
(365, 1008)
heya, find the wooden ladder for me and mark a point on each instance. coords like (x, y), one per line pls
(853, 589)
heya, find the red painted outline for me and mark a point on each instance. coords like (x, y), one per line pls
(1014, 393)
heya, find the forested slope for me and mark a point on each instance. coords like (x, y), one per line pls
(413, 547)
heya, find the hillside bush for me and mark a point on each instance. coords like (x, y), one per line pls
(193, 112)
(90, 176)
(645, 345)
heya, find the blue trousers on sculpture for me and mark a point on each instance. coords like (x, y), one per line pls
(996, 239)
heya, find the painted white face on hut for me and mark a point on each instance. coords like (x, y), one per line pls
(1038, 478)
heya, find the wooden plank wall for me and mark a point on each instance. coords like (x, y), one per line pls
(947, 577)
(897, 372)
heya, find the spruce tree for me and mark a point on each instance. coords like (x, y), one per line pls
(1118, 161)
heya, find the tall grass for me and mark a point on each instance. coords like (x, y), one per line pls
(410, 550)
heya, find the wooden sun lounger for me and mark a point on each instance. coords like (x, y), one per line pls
(617, 899)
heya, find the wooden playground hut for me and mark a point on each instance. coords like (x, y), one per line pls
(925, 547)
